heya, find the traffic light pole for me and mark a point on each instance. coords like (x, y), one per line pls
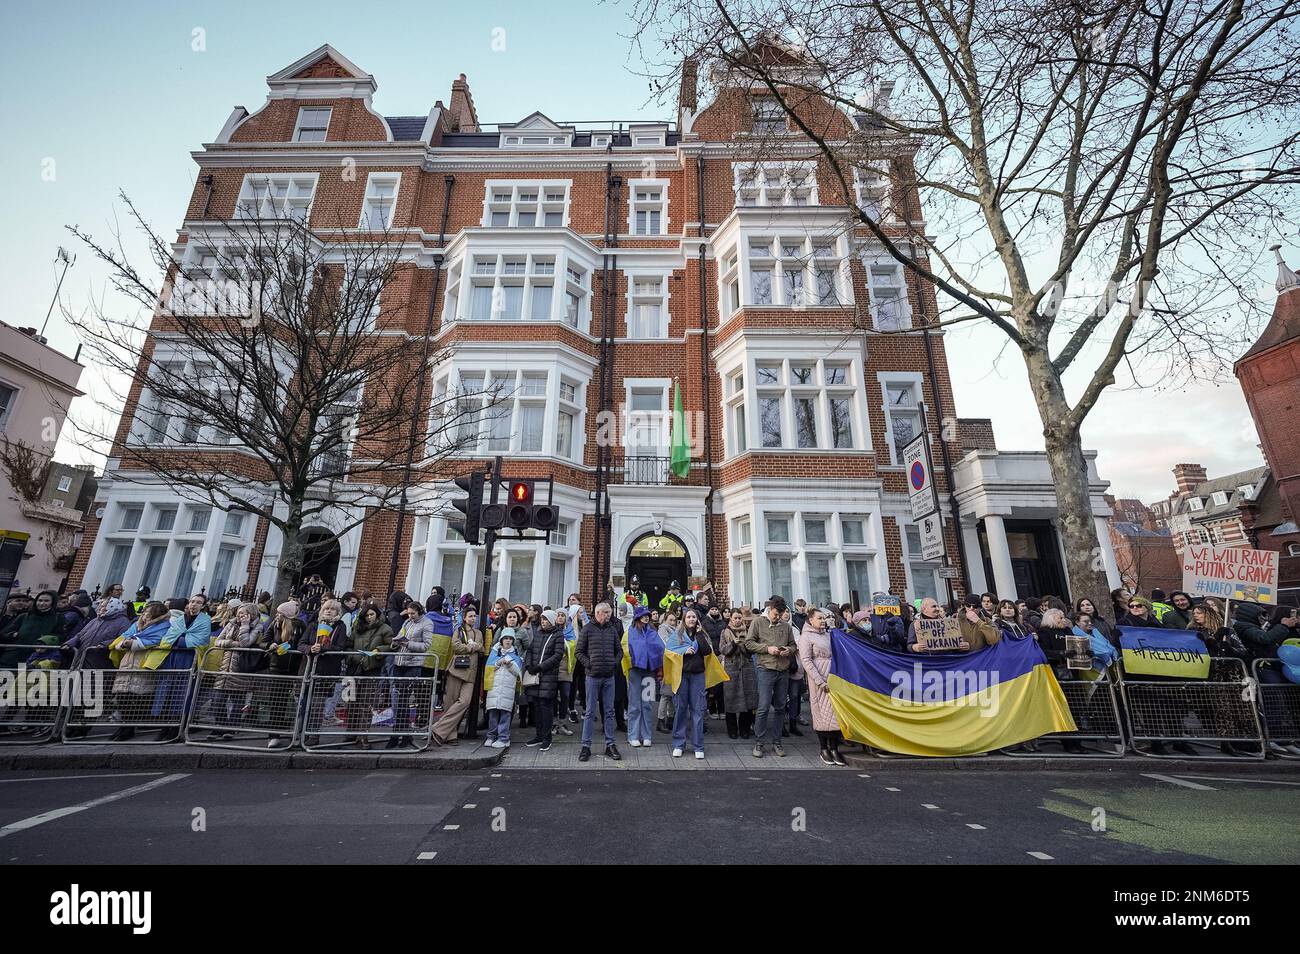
(489, 544)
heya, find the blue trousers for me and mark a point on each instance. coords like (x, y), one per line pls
(600, 689)
(690, 708)
(498, 729)
(773, 691)
(640, 704)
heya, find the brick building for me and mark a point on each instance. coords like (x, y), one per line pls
(594, 270)
(1269, 373)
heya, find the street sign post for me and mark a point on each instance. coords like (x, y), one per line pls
(920, 485)
(931, 537)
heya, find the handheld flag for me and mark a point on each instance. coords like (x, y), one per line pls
(1163, 652)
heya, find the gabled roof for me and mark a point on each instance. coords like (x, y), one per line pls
(324, 62)
(536, 122)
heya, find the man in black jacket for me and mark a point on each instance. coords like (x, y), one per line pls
(600, 650)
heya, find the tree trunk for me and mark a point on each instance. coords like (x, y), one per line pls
(290, 563)
(1085, 569)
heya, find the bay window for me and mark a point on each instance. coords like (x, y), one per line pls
(515, 287)
(775, 183)
(280, 196)
(809, 403)
(788, 270)
(520, 411)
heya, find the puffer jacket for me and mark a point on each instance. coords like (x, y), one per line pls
(377, 637)
(418, 635)
(600, 648)
(504, 682)
(545, 654)
(1260, 643)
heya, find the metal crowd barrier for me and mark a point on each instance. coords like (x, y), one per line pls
(1094, 704)
(361, 705)
(34, 682)
(135, 702)
(1212, 711)
(1279, 704)
(240, 703)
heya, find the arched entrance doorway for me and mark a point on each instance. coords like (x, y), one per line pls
(320, 554)
(657, 560)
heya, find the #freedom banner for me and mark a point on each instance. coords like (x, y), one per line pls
(1163, 652)
(944, 705)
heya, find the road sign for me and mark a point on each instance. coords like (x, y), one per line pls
(931, 537)
(948, 573)
(920, 488)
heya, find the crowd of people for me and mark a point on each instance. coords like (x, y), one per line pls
(561, 670)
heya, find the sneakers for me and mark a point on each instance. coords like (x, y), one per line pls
(584, 755)
(780, 752)
(758, 751)
(677, 753)
(611, 752)
(533, 742)
(563, 729)
(635, 743)
(699, 754)
(277, 744)
(645, 744)
(545, 746)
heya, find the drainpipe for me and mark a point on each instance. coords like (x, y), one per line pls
(601, 558)
(208, 181)
(704, 378)
(448, 181)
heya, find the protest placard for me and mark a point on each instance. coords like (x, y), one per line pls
(1230, 573)
(938, 635)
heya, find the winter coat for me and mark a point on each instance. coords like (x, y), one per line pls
(645, 648)
(460, 646)
(764, 633)
(415, 636)
(1010, 630)
(544, 656)
(393, 613)
(31, 627)
(504, 682)
(1224, 643)
(1260, 643)
(889, 631)
(692, 663)
(234, 636)
(600, 648)
(376, 638)
(741, 693)
(95, 636)
(1129, 621)
(1052, 642)
(280, 631)
(332, 638)
(130, 678)
(815, 657)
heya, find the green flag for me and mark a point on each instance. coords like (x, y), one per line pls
(681, 452)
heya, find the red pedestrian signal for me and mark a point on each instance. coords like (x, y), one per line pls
(521, 492)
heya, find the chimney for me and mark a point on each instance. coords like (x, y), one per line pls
(1187, 476)
(687, 97)
(464, 118)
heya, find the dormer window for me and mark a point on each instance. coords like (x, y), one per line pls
(769, 115)
(313, 124)
(1220, 498)
(535, 132)
(1195, 503)
(648, 136)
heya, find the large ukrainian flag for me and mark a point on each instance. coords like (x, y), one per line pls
(1175, 653)
(945, 704)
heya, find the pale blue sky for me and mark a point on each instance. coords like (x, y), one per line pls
(116, 96)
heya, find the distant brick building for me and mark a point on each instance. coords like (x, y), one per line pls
(1270, 379)
(591, 270)
(1144, 548)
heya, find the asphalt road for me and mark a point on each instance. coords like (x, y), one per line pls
(503, 816)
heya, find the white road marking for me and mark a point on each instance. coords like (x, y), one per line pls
(484, 788)
(471, 805)
(1256, 781)
(928, 805)
(1040, 855)
(975, 826)
(426, 856)
(496, 774)
(864, 776)
(450, 827)
(888, 789)
(64, 778)
(41, 819)
(1178, 781)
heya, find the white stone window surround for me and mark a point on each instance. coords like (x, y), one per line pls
(518, 206)
(379, 200)
(639, 424)
(760, 505)
(916, 381)
(887, 287)
(558, 365)
(150, 500)
(775, 183)
(635, 297)
(872, 190)
(277, 195)
(635, 205)
(310, 126)
(745, 357)
(566, 256)
(764, 251)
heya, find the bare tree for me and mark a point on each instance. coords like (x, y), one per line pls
(26, 468)
(273, 373)
(1097, 180)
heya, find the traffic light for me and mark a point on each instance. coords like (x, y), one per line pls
(471, 506)
(519, 512)
(545, 516)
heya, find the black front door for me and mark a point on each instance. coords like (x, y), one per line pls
(657, 575)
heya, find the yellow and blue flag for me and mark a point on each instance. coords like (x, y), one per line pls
(945, 704)
(1163, 652)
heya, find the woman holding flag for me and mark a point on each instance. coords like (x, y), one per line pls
(644, 658)
(691, 645)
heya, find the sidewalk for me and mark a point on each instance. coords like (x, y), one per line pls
(467, 756)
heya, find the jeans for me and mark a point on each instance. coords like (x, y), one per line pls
(640, 704)
(499, 725)
(600, 689)
(690, 706)
(773, 690)
(795, 706)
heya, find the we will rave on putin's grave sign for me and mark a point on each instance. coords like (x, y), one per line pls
(1231, 573)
